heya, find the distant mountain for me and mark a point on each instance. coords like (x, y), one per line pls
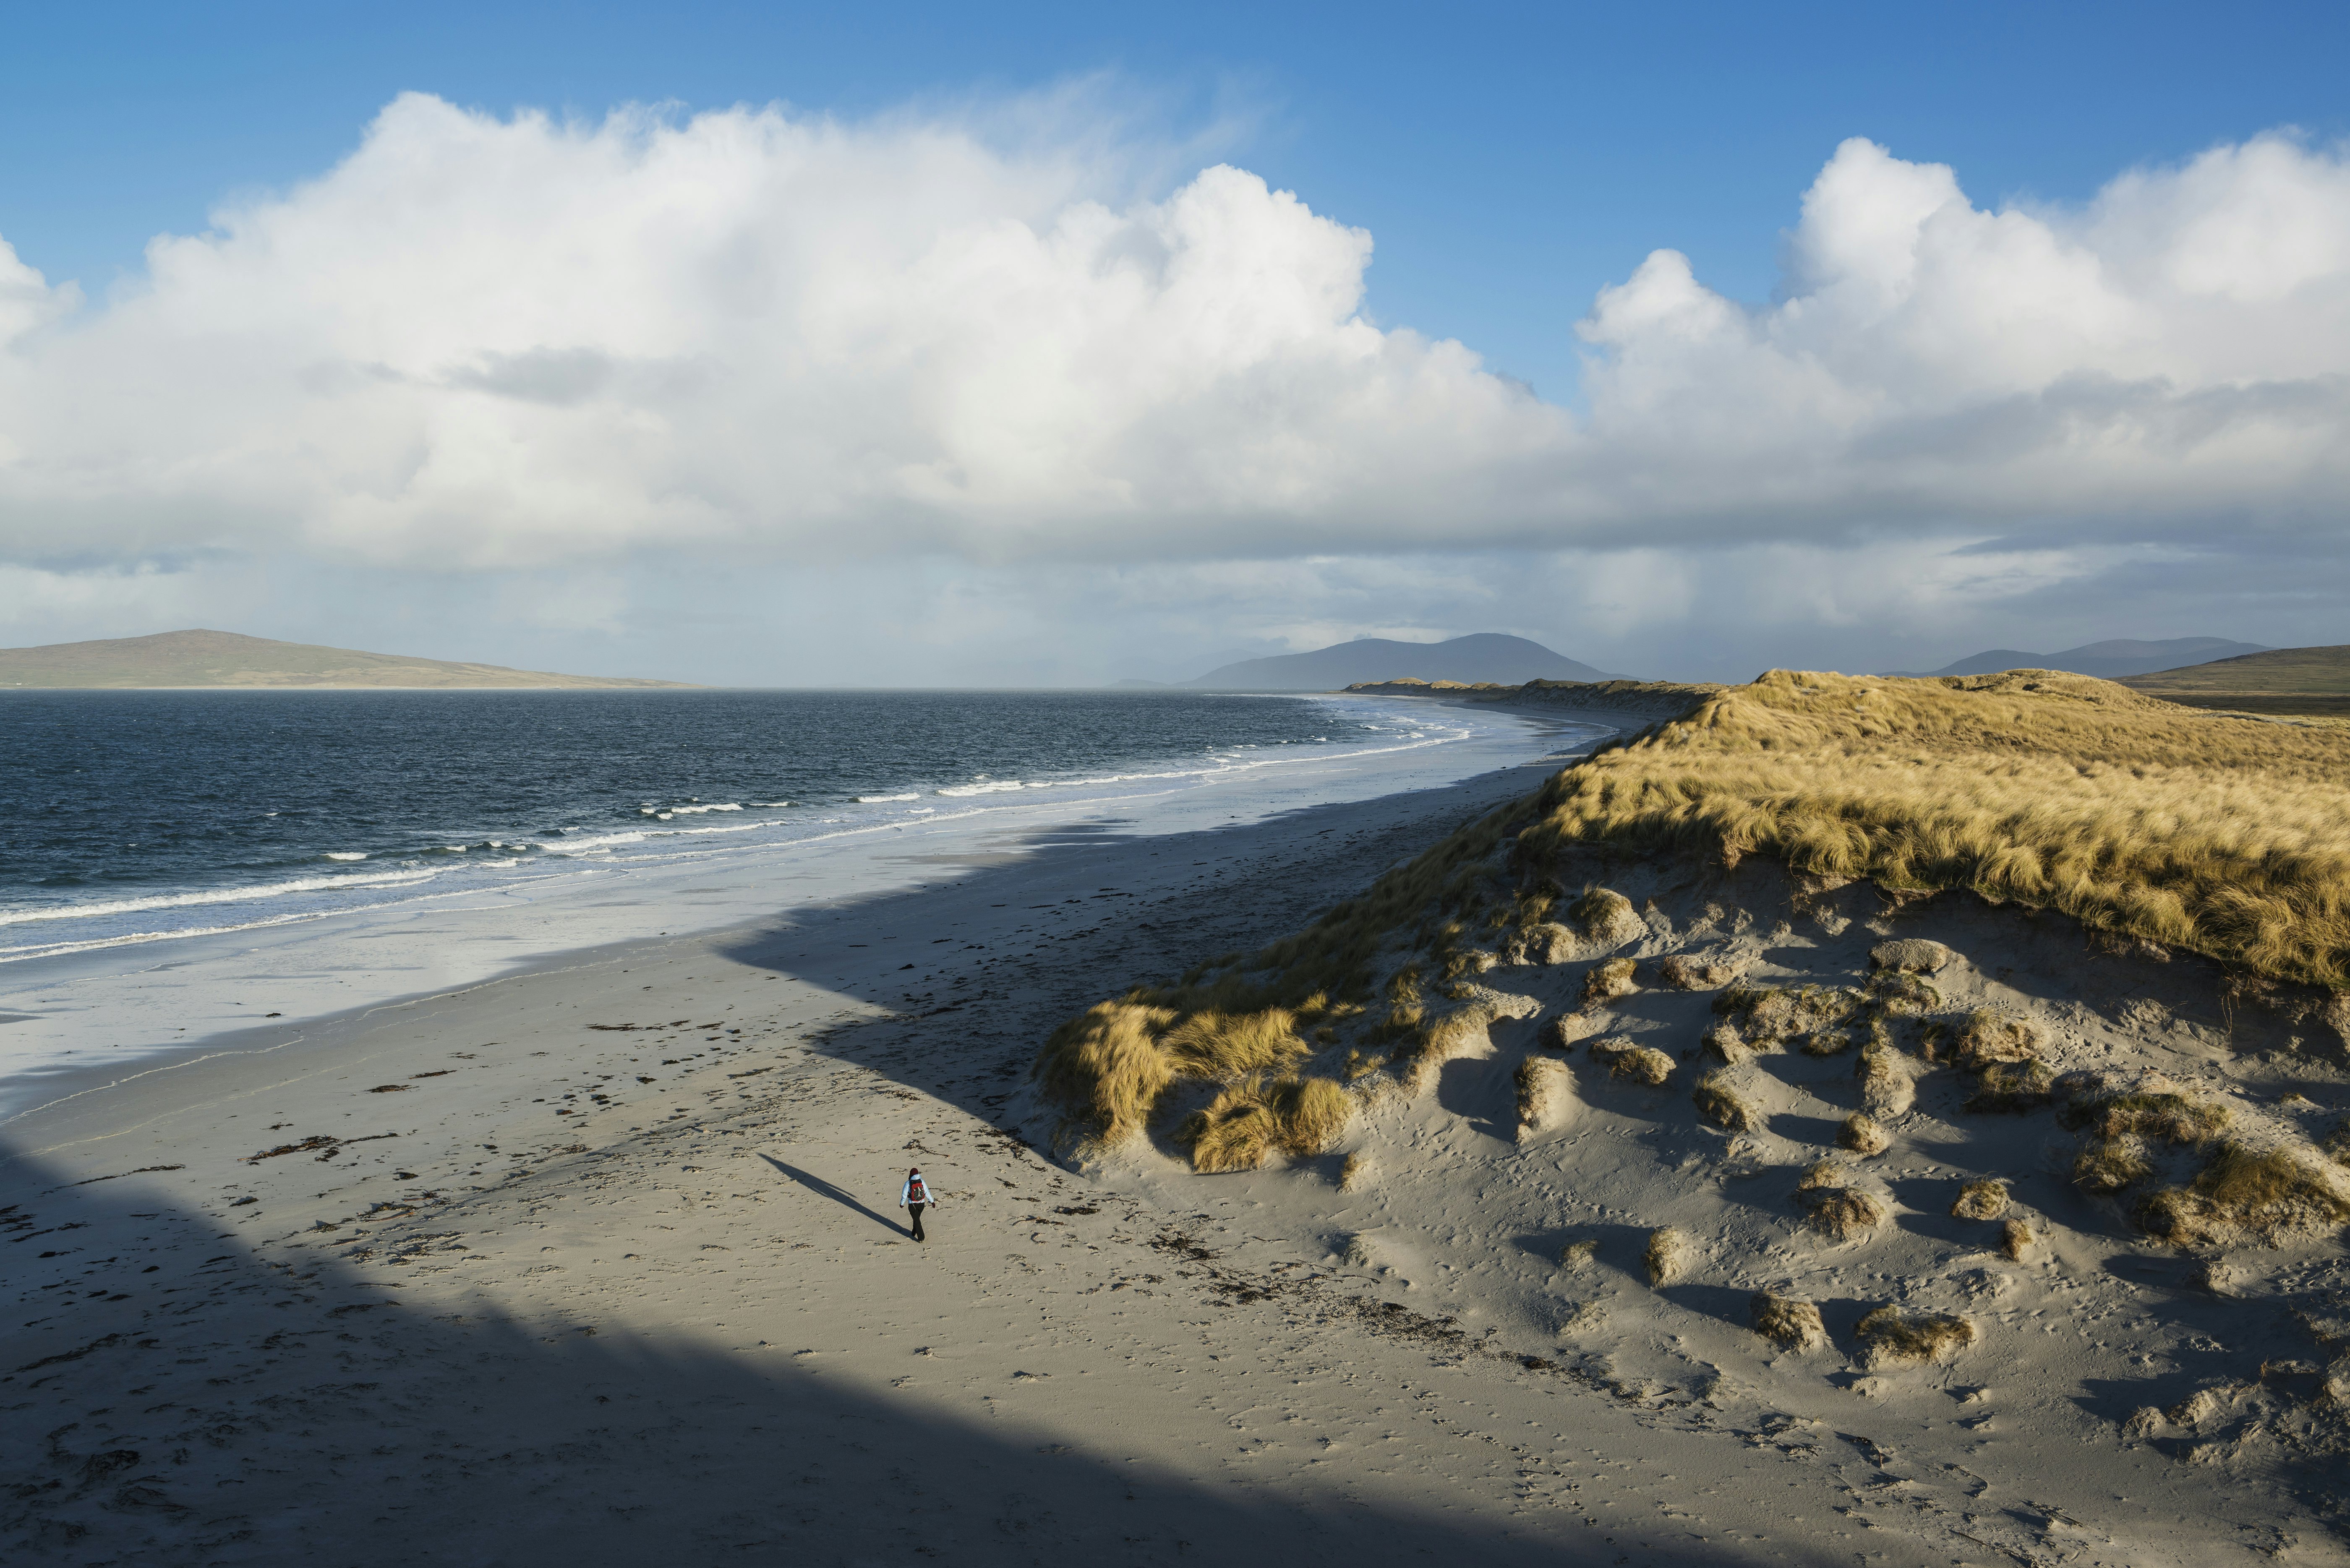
(1483, 655)
(2275, 680)
(180, 659)
(2109, 660)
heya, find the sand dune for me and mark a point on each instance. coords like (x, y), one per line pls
(600, 1264)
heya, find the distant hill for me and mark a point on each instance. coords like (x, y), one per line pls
(2109, 660)
(2307, 680)
(1483, 655)
(181, 659)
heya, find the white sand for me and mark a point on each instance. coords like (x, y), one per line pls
(680, 1322)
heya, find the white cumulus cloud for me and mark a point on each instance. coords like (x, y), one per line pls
(493, 342)
(2170, 355)
(516, 343)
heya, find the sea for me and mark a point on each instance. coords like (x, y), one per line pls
(172, 854)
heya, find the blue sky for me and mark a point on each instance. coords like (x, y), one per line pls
(1510, 159)
(1510, 162)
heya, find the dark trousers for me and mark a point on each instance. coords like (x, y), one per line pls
(916, 1211)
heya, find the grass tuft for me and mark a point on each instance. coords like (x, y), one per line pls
(1840, 1213)
(1545, 1088)
(1251, 1119)
(1722, 1105)
(2120, 1128)
(1886, 1087)
(2174, 1118)
(2011, 1087)
(1107, 1066)
(1892, 1337)
(1607, 981)
(1604, 915)
(1826, 1173)
(1789, 1325)
(1863, 1136)
(1625, 1059)
(1984, 1199)
(2267, 1195)
(2109, 1164)
(1991, 1037)
(1668, 1256)
(1900, 993)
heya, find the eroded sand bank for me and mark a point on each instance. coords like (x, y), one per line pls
(601, 1263)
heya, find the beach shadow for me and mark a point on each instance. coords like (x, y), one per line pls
(1721, 1303)
(1481, 1092)
(842, 1196)
(1926, 1211)
(1798, 1127)
(224, 1404)
(1619, 1252)
(1842, 1315)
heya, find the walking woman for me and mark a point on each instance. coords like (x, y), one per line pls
(914, 1200)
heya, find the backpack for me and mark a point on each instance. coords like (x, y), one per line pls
(915, 1192)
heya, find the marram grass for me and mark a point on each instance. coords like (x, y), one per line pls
(2215, 835)
(2223, 835)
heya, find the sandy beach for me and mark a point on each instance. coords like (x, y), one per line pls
(601, 1262)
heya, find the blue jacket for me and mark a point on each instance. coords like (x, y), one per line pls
(910, 1195)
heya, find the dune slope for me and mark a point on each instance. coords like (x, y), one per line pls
(1969, 1046)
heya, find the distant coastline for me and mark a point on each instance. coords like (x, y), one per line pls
(224, 660)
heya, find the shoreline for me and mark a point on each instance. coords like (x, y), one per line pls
(248, 1202)
(601, 1260)
(932, 874)
(250, 975)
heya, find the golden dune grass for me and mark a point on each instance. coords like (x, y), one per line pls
(2217, 835)
(1720, 1102)
(1790, 1324)
(1110, 1066)
(1891, 1336)
(1863, 1135)
(1251, 1118)
(1668, 1256)
(2265, 1195)
(2222, 836)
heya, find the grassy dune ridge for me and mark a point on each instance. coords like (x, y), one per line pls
(2222, 835)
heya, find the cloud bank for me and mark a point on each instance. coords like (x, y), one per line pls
(502, 343)
(2171, 356)
(487, 342)
(513, 388)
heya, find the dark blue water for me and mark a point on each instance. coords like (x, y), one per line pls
(126, 802)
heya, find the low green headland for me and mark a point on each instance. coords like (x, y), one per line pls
(174, 660)
(2308, 681)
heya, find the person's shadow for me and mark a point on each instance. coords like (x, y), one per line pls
(842, 1196)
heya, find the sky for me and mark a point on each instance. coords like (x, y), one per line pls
(1051, 345)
